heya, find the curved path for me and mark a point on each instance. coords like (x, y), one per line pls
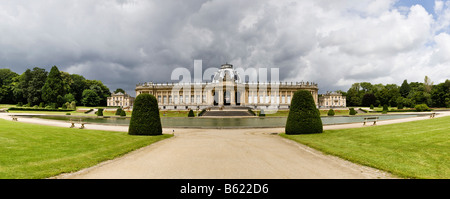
(226, 153)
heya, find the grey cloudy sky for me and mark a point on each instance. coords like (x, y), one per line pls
(333, 43)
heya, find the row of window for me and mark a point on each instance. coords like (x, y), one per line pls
(180, 99)
(265, 99)
(117, 104)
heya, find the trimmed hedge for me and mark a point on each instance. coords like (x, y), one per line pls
(37, 109)
(120, 112)
(100, 112)
(304, 117)
(331, 112)
(191, 113)
(352, 111)
(145, 118)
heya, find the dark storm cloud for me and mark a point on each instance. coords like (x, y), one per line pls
(125, 42)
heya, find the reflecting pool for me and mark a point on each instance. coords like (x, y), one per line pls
(205, 122)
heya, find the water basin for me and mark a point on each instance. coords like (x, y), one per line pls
(245, 122)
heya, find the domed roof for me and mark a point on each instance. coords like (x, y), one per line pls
(226, 73)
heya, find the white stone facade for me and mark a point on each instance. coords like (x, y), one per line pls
(332, 100)
(225, 89)
(120, 99)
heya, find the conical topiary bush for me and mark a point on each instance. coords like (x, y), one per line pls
(304, 117)
(145, 118)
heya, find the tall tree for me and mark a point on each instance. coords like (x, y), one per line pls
(405, 88)
(101, 90)
(77, 87)
(90, 98)
(7, 78)
(35, 85)
(119, 90)
(440, 94)
(53, 87)
(369, 99)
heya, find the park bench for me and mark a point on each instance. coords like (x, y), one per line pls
(14, 118)
(73, 122)
(370, 119)
(432, 115)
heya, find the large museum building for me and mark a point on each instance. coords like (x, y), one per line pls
(226, 89)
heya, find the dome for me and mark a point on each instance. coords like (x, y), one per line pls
(226, 73)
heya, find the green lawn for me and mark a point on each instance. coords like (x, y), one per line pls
(419, 149)
(29, 151)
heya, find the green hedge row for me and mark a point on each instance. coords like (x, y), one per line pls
(37, 109)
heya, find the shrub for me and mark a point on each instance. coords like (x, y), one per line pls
(73, 105)
(41, 105)
(191, 113)
(304, 117)
(68, 114)
(64, 106)
(352, 111)
(371, 106)
(421, 107)
(331, 112)
(20, 104)
(118, 111)
(400, 106)
(385, 108)
(145, 118)
(123, 113)
(100, 112)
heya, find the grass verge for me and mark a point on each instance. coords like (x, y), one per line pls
(419, 149)
(29, 151)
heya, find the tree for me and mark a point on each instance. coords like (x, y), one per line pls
(7, 78)
(90, 98)
(35, 85)
(53, 86)
(405, 88)
(304, 117)
(69, 98)
(145, 118)
(119, 90)
(354, 95)
(77, 87)
(101, 90)
(368, 99)
(440, 94)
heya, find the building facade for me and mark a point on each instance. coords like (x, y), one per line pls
(120, 99)
(226, 89)
(332, 100)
